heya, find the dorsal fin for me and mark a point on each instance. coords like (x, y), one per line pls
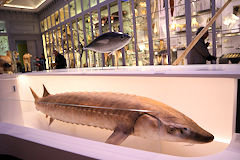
(34, 94)
(45, 92)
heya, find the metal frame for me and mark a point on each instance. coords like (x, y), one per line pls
(214, 49)
(188, 21)
(149, 26)
(168, 32)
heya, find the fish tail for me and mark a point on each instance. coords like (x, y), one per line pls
(34, 94)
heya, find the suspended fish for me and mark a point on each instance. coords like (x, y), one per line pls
(109, 42)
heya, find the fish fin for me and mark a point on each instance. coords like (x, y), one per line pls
(117, 137)
(103, 41)
(45, 92)
(34, 94)
(51, 120)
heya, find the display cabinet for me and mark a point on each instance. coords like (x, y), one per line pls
(205, 94)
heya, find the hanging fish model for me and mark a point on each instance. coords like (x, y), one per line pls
(124, 114)
(109, 42)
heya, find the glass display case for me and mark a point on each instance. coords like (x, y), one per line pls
(181, 89)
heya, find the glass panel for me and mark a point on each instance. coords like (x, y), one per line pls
(48, 22)
(93, 3)
(75, 42)
(142, 32)
(100, 1)
(53, 20)
(114, 17)
(85, 4)
(97, 56)
(61, 15)
(41, 26)
(82, 58)
(78, 6)
(201, 14)
(4, 47)
(128, 28)
(159, 32)
(104, 19)
(64, 39)
(72, 8)
(59, 40)
(177, 26)
(70, 46)
(111, 60)
(88, 32)
(3, 27)
(46, 25)
(55, 46)
(66, 11)
(57, 18)
(45, 52)
(51, 46)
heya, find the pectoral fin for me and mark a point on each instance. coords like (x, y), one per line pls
(117, 137)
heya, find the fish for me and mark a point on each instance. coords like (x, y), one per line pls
(109, 42)
(124, 114)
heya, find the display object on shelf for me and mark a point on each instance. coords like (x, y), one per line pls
(233, 57)
(122, 113)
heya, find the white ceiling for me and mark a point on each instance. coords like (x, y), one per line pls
(25, 5)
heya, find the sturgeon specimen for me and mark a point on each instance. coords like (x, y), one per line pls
(124, 114)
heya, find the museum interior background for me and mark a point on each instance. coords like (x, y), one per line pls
(68, 25)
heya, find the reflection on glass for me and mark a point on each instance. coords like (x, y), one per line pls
(70, 47)
(85, 4)
(75, 42)
(61, 15)
(57, 17)
(48, 22)
(72, 8)
(82, 58)
(78, 6)
(53, 20)
(93, 3)
(100, 1)
(45, 51)
(66, 11)
(142, 32)
(128, 28)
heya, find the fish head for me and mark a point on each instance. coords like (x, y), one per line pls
(183, 129)
(119, 39)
